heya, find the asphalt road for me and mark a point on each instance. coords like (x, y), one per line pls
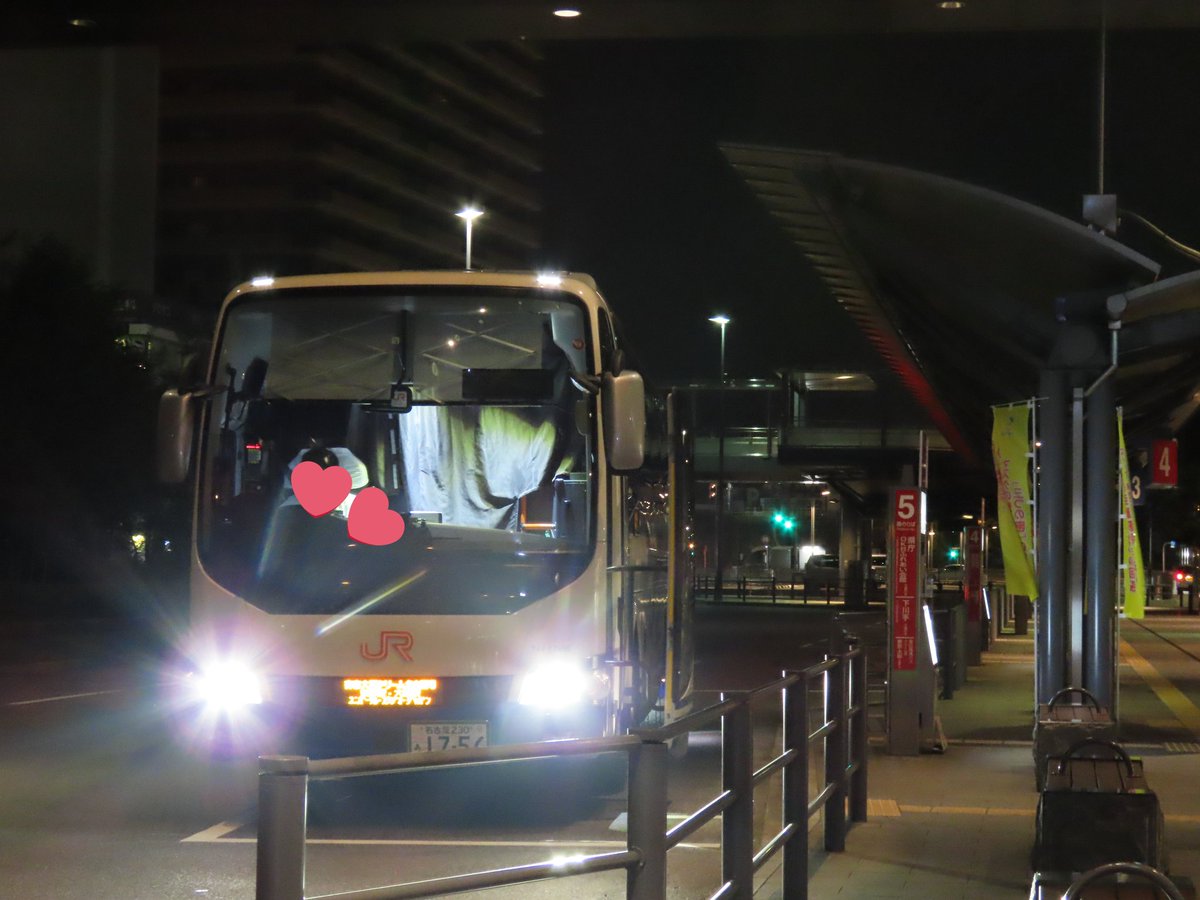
(99, 800)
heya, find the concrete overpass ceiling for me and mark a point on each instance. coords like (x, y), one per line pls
(955, 286)
(28, 22)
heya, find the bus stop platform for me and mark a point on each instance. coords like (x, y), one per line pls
(961, 823)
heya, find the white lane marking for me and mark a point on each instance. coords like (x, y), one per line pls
(1182, 747)
(60, 697)
(209, 835)
(216, 835)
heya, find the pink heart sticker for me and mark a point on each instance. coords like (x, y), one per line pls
(320, 490)
(371, 522)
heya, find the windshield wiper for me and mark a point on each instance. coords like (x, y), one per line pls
(588, 384)
(372, 599)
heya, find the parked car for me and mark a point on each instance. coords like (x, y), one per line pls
(879, 564)
(951, 574)
(822, 569)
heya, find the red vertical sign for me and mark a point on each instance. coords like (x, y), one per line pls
(973, 572)
(1164, 463)
(906, 534)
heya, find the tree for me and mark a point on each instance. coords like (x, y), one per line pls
(80, 416)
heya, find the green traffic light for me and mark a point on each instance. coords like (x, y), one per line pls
(789, 524)
(778, 518)
(952, 553)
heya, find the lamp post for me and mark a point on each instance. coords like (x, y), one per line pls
(469, 214)
(721, 320)
(812, 526)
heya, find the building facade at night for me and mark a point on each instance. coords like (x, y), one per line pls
(176, 172)
(286, 161)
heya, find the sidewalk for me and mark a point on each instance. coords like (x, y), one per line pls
(962, 824)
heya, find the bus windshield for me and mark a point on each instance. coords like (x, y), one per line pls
(458, 404)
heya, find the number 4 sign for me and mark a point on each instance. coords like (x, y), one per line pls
(1164, 463)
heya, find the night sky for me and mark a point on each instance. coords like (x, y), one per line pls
(639, 196)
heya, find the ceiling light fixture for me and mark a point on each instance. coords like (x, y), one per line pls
(951, 4)
(567, 13)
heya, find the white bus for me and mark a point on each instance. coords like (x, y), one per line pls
(504, 556)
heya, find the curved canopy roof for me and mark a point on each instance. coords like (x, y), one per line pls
(961, 290)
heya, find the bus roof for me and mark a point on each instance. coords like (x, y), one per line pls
(577, 283)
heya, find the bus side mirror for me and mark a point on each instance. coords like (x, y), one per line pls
(624, 398)
(176, 424)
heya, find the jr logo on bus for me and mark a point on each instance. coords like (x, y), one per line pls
(399, 641)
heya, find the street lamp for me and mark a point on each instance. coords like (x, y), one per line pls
(722, 320)
(469, 214)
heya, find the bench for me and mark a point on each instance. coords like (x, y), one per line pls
(1114, 881)
(1095, 811)
(1061, 724)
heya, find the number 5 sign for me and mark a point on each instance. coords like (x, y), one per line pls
(1164, 463)
(907, 524)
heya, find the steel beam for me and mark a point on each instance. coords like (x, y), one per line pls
(1101, 540)
(1053, 458)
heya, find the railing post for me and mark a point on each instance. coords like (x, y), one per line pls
(737, 776)
(858, 735)
(835, 759)
(282, 807)
(795, 789)
(647, 800)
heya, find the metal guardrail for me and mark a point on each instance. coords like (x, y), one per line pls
(750, 587)
(283, 795)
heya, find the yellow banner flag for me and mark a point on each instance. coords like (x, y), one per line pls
(1133, 570)
(1010, 451)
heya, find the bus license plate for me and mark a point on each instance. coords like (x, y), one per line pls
(425, 736)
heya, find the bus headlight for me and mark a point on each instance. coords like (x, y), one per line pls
(558, 684)
(227, 685)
